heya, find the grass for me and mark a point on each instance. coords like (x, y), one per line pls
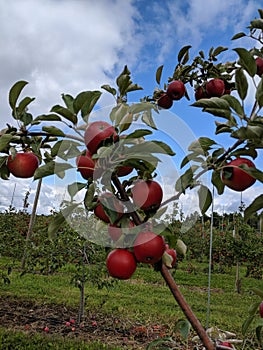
(145, 298)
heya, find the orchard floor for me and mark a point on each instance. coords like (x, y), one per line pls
(32, 318)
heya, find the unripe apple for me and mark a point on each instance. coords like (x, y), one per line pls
(215, 87)
(259, 63)
(236, 178)
(176, 90)
(164, 101)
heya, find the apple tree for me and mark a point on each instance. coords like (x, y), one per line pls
(118, 159)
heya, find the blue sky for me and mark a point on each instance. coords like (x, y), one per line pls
(67, 46)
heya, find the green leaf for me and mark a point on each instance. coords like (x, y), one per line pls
(125, 122)
(118, 113)
(60, 219)
(184, 181)
(148, 120)
(109, 89)
(158, 74)
(259, 93)
(52, 168)
(138, 134)
(238, 36)
(183, 326)
(54, 131)
(205, 198)
(235, 105)
(259, 333)
(133, 87)
(89, 196)
(247, 324)
(212, 103)
(15, 92)
(256, 205)
(247, 61)
(219, 49)
(180, 247)
(183, 51)
(75, 187)
(4, 141)
(158, 342)
(241, 83)
(24, 103)
(149, 147)
(85, 102)
(68, 100)
(258, 292)
(46, 117)
(253, 309)
(65, 112)
(217, 182)
(65, 149)
(257, 23)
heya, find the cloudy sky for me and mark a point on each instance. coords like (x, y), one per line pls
(68, 46)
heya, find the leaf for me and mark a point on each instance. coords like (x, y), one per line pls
(118, 113)
(75, 187)
(60, 219)
(24, 103)
(241, 83)
(253, 309)
(181, 248)
(258, 292)
(4, 141)
(148, 120)
(205, 198)
(235, 105)
(52, 168)
(259, 93)
(238, 36)
(149, 147)
(133, 87)
(54, 131)
(158, 342)
(259, 334)
(219, 49)
(85, 102)
(216, 181)
(139, 133)
(247, 61)
(183, 326)
(183, 51)
(247, 324)
(256, 205)
(257, 23)
(158, 74)
(46, 117)
(68, 100)
(125, 122)
(89, 196)
(15, 92)
(184, 181)
(65, 112)
(109, 89)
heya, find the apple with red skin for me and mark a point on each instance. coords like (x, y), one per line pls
(148, 247)
(121, 264)
(115, 231)
(172, 253)
(176, 90)
(236, 178)
(215, 87)
(112, 203)
(261, 309)
(147, 195)
(86, 165)
(96, 133)
(124, 170)
(200, 93)
(259, 63)
(164, 101)
(23, 165)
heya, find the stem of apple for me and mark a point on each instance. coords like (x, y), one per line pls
(186, 308)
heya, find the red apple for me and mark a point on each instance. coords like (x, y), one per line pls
(176, 90)
(121, 264)
(261, 309)
(23, 165)
(172, 253)
(226, 344)
(97, 133)
(215, 87)
(259, 63)
(236, 178)
(86, 165)
(148, 247)
(147, 195)
(114, 208)
(200, 92)
(164, 101)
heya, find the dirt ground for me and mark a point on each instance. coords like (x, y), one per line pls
(32, 318)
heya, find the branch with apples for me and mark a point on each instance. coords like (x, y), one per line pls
(118, 163)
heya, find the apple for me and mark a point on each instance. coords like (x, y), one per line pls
(173, 254)
(115, 231)
(124, 170)
(148, 247)
(164, 101)
(215, 87)
(261, 309)
(176, 90)
(46, 329)
(23, 165)
(112, 204)
(86, 165)
(236, 178)
(98, 132)
(147, 195)
(259, 63)
(121, 264)
(200, 92)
